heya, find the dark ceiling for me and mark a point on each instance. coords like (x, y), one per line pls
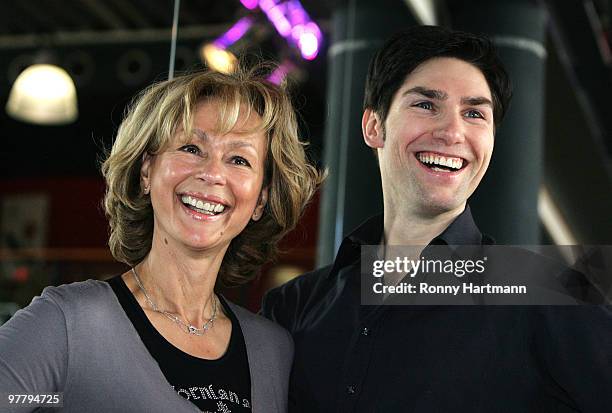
(51, 16)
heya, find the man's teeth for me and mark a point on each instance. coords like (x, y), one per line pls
(455, 163)
(207, 207)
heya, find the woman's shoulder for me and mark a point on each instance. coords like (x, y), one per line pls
(270, 353)
(90, 292)
(256, 326)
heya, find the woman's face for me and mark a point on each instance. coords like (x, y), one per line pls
(204, 190)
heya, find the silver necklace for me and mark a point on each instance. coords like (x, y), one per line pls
(186, 327)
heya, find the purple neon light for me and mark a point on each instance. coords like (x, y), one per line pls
(291, 21)
(234, 33)
(276, 14)
(280, 73)
(307, 37)
(296, 13)
(309, 45)
(249, 4)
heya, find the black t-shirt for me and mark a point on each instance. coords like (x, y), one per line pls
(215, 386)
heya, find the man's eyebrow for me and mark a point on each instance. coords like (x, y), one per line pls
(428, 93)
(441, 95)
(476, 101)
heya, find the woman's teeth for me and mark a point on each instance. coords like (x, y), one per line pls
(210, 208)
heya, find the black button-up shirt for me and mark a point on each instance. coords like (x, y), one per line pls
(355, 358)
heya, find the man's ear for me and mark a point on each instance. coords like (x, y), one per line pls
(261, 204)
(144, 173)
(372, 128)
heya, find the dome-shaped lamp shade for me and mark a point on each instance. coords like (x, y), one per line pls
(43, 94)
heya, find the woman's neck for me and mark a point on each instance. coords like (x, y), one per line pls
(180, 281)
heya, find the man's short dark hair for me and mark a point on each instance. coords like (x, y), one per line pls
(407, 49)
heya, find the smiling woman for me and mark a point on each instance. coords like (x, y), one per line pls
(168, 113)
(205, 176)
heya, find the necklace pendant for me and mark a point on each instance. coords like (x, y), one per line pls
(190, 328)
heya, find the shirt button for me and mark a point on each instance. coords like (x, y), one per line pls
(350, 389)
(365, 331)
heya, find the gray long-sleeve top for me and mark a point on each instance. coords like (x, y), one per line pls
(77, 339)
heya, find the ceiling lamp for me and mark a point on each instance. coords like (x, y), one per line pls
(43, 94)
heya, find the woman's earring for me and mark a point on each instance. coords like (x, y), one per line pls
(147, 189)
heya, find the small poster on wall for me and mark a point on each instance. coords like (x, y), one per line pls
(24, 221)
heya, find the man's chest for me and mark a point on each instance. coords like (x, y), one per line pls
(389, 358)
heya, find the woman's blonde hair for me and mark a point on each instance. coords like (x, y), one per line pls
(154, 118)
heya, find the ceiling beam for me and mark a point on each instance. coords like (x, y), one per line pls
(104, 14)
(78, 38)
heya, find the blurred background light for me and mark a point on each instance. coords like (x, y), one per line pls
(216, 54)
(424, 11)
(249, 4)
(308, 38)
(43, 94)
(235, 33)
(218, 58)
(280, 73)
(553, 220)
(276, 15)
(291, 21)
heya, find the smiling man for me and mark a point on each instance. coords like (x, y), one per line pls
(435, 142)
(433, 99)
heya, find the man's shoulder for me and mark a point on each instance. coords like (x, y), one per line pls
(304, 282)
(285, 303)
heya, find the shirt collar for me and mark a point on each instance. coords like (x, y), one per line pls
(462, 231)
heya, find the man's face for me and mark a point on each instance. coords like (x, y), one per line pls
(436, 143)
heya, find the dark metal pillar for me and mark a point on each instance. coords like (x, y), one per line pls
(505, 204)
(352, 192)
